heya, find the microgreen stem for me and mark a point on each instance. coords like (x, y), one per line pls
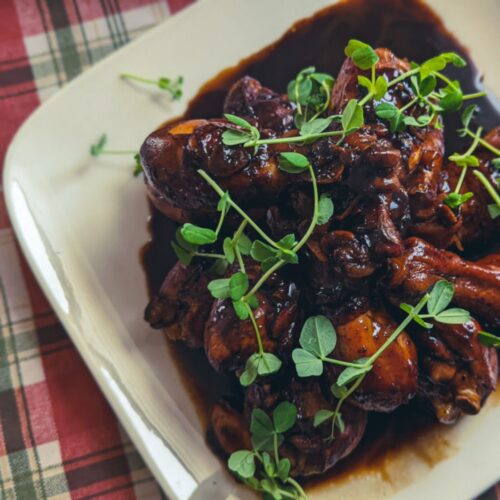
(402, 77)
(264, 278)
(471, 149)
(340, 362)
(365, 99)
(475, 95)
(445, 79)
(256, 328)
(297, 486)
(460, 180)
(236, 207)
(209, 255)
(398, 330)
(298, 138)
(234, 243)
(129, 76)
(275, 445)
(342, 399)
(221, 221)
(484, 143)
(314, 219)
(408, 105)
(487, 184)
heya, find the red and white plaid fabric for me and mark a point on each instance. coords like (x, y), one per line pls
(58, 436)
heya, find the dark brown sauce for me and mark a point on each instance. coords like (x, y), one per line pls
(411, 30)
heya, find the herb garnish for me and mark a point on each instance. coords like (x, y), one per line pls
(98, 149)
(468, 159)
(173, 87)
(267, 437)
(318, 340)
(272, 255)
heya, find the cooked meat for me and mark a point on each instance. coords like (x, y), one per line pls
(229, 341)
(229, 428)
(182, 305)
(457, 373)
(477, 286)
(393, 378)
(249, 99)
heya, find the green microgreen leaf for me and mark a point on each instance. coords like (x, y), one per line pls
(468, 114)
(440, 297)
(488, 339)
(316, 126)
(240, 309)
(318, 336)
(340, 392)
(262, 430)
(261, 251)
(455, 200)
(325, 209)
(97, 148)
(242, 462)
(138, 165)
(227, 248)
(231, 137)
(284, 466)
(494, 210)
(237, 120)
(244, 244)
(268, 263)
(184, 256)
(496, 163)
(253, 301)
(362, 54)
(288, 241)
(198, 235)
(307, 364)
(250, 373)
(427, 85)
(219, 288)
(352, 117)
(380, 87)
(284, 416)
(322, 416)
(407, 308)
(386, 111)
(351, 373)
(451, 101)
(238, 285)
(365, 82)
(268, 363)
(218, 268)
(465, 161)
(454, 316)
(293, 163)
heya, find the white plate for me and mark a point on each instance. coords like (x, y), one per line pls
(81, 223)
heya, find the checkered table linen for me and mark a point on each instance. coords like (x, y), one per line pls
(58, 437)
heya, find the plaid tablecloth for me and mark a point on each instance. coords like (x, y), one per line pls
(58, 437)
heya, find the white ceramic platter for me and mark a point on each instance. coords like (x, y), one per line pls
(82, 221)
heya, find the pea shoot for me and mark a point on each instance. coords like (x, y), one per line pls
(318, 340)
(270, 254)
(467, 160)
(172, 86)
(262, 468)
(99, 149)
